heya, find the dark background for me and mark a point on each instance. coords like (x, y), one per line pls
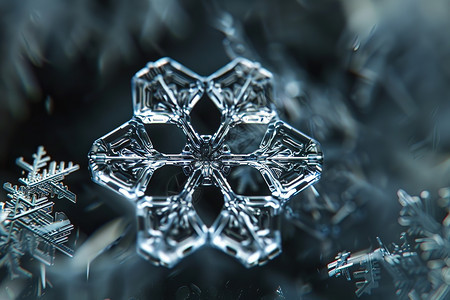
(368, 79)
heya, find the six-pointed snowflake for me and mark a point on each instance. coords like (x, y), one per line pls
(27, 224)
(169, 227)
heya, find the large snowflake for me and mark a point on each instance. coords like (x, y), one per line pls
(169, 227)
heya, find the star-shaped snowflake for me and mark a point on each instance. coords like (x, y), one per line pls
(169, 227)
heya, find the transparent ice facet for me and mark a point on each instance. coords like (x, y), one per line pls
(169, 228)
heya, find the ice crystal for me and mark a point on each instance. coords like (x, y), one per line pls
(169, 227)
(432, 236)
(420, 272)
(27, 225)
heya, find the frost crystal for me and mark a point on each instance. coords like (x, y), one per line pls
(416, 275)
(169, 227)
(27, 224)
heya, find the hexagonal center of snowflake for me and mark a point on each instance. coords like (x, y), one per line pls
(207, 157)
(206, 152)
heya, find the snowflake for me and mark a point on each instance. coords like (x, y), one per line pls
(169, 227)
(432, 237)
(27, 224)
(416, 275)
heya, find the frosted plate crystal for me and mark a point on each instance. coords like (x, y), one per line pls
(169, 228)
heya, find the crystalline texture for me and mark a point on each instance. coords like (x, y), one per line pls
(27, 224)
(169, 227)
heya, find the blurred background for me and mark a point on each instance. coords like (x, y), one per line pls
(368, 79)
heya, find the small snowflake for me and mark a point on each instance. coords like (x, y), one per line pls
(420, 272)
(27, 224)
(169, 227)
